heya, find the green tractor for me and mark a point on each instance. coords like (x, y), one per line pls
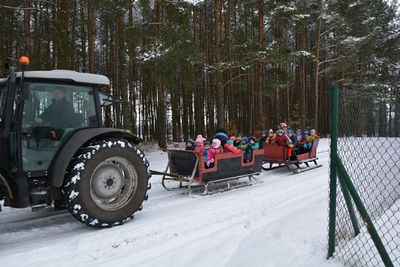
(55, 149)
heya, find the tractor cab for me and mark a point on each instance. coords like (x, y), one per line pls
(52, 109)
(46, 119)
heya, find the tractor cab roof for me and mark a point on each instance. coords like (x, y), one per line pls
(75, 76)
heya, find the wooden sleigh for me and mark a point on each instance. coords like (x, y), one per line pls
(275, 157)
(186, 167)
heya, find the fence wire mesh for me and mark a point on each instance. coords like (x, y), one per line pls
(369, 147)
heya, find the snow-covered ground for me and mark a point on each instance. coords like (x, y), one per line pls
(279, 222)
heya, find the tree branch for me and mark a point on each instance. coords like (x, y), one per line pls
(234, 78)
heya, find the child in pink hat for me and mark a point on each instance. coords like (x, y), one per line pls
(199, 142)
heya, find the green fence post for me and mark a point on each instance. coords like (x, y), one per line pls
(333, 175)
(347, 199)
(363, 211)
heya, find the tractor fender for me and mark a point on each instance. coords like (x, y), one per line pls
(61, 161)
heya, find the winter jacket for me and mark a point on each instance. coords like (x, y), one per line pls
(232, 149)
(311, 138)
(244, 147)
(248, 146)
(263, 139)
(293, 139)
(248, 150)
(205, 152)
(199, 149)
(281, 140)
(302, 140)
(59, 114)
(254, 146)
(211, 154)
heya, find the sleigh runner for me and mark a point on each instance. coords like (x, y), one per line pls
(188, 168)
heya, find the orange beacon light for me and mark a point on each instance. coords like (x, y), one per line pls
(24, 60)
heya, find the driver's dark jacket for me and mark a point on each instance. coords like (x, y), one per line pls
(59, 114)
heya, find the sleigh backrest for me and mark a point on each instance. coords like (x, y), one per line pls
(313, 151)
(181, 162)
(274, 153)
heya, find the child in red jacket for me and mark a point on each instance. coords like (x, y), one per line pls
(283, 140)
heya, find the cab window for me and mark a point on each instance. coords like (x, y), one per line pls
(50, 113)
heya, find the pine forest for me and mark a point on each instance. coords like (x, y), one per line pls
(181, 68)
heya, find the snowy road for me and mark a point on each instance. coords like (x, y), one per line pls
(279, 222)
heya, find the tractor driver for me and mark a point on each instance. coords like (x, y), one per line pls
(59, 113)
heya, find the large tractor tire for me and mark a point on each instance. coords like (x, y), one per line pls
(108, 183)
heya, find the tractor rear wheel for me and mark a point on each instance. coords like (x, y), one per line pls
(108, 183)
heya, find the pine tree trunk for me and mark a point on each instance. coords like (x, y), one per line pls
(220, 90)
(317, 63)
(117, 69)
(27, 25)
(131, 70)
(38, 49)
(185, 114)
(230, 116)
(208, 81)
(161, 118)
(83, 27)
(91, 35)
(64, 43)
(260, 70)
(199, 88)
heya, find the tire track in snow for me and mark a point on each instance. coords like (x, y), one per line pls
(276, 210)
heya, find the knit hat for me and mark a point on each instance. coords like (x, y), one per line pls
(279, 131)
(306, 132)
(221, 135)
(232, 137)
(200, 139)
(221, 130)
(245, 139)
(216, 143)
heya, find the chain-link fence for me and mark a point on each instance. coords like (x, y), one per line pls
(365, 173)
